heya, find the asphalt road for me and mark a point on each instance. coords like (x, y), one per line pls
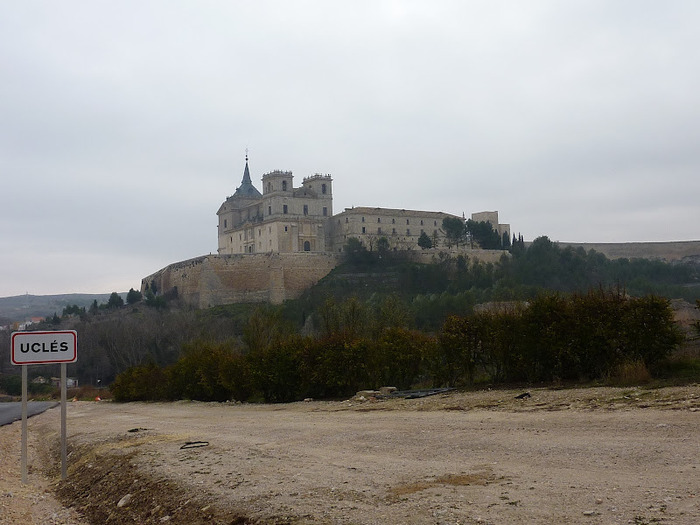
(10, 412)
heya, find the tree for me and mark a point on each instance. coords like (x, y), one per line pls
(154, 301)
(454, 229)
(115, 300)
(382, 245)
(133, 296)
(434, 239)
(355, 251)
(424, 241)
(73, 309)
(483, 233)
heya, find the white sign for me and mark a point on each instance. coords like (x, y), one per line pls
(36, 348)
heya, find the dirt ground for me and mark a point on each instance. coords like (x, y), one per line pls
(598, 456)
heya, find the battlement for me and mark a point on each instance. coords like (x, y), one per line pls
(317, 176)
(277, 173)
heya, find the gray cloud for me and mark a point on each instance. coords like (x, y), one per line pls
(124, 124)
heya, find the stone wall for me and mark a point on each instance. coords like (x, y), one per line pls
(213, 280)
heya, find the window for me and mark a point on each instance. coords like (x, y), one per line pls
(224, 223)
(285, 228)
(284, 185)
(269, 210)
(346, 220)
(434, 223)
(408, 231)
(325, 212)
(306, 209)
(284, 208)
(379, 231)
(363, 230)
(393, 221)
(307, 246)
(379, 219)
(408, 222)
(323, 189)
(363, 219)
(421, 222)
(393, 230)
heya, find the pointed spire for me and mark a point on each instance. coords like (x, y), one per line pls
(246, 171)
(246, 189)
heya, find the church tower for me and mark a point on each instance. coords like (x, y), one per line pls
(283, 219)
(238, 209)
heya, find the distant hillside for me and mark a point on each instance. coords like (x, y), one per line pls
(24, 307)
(671, 251)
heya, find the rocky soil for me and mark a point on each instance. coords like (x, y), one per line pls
(598, 456)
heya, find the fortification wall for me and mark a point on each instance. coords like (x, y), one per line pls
(213, 280)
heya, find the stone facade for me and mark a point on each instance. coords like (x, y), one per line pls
(401, 228)
(283, 219)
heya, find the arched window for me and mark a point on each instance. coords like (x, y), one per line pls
(307, 246)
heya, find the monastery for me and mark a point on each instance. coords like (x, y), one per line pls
(274, 245)
(285, 219)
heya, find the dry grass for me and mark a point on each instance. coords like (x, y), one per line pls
(631, 373)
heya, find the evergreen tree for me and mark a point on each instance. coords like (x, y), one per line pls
(424, 241)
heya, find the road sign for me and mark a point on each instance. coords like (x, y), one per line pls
(36, 348)
(42, 348)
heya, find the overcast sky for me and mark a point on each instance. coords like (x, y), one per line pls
(124, 125)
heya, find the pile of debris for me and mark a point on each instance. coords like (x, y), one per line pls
(388, 392)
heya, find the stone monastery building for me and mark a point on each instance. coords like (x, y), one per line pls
(285, 219)
(276, 244)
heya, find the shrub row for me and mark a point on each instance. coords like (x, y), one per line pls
(554, 337)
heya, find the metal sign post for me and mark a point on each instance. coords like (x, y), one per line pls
(23, 461)
(37, 348)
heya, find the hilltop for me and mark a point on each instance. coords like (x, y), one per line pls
(23, 307)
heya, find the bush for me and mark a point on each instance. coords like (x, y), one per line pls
(140, 383)
(11, 384)
(199, 373)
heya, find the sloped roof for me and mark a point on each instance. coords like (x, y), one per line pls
(246, 190)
